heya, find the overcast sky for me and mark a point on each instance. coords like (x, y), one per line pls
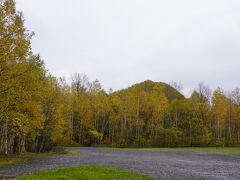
(122, 42)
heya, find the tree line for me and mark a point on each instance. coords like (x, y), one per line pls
(39, 111)
(154, 114)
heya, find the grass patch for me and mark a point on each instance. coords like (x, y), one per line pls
(201, 150)
(163, 148)
(85, 173)
(71, 152)
(221, 151)
(8, 160)
(126, 148)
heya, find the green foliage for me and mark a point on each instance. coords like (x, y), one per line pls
(140, 143)
(121, 143)
(95, 134)
(85, 173)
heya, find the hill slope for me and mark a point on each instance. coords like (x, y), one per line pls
(148, 86)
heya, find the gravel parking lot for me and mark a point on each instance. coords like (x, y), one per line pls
(161, 164)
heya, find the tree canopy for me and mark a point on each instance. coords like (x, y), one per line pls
(39, 111)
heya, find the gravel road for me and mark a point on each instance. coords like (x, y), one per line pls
(161, 164)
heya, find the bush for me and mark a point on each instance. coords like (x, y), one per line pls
(75, 144)
(140, 142)
(121, 143)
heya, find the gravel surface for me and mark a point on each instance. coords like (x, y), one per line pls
(161, 164)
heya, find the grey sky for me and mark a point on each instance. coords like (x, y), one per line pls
(122, 42)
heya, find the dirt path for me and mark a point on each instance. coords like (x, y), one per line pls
(162, 164)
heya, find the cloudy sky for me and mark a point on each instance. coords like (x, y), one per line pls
(122, 42)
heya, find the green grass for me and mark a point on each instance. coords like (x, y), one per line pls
(8, 160)
(163, 148)
(71, 152)
(199, 150)
(85, 173)
(221, 151)
(202, 150)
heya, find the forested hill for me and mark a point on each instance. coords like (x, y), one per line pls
(39, 111)
(149, 87)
